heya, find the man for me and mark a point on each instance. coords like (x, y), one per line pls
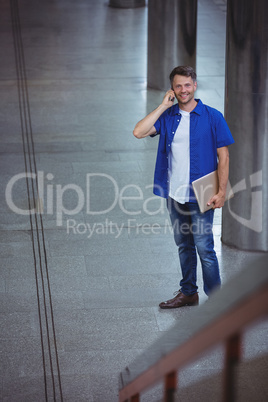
(193, 142)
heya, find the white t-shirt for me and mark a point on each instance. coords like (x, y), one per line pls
(179, 161)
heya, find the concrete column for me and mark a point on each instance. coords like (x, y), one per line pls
(127, 3)
(171, 39)
(245, 218)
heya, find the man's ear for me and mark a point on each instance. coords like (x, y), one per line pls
(195, 86)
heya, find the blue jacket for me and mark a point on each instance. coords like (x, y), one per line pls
(208, 131)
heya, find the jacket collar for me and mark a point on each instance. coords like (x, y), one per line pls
(198, 109)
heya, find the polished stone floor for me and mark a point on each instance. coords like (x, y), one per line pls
(80, 284)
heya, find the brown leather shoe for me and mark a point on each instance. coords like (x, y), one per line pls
(181, 300)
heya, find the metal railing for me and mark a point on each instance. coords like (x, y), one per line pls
(222, 318)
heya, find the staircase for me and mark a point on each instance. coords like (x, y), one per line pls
(221, 320)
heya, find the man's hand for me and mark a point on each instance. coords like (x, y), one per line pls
(169, 98)
(217, 200)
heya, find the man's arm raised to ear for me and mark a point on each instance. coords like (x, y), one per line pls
(145, 126)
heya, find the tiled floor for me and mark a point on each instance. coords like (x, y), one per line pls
(80, 291)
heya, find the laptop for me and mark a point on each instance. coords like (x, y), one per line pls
(206, 187)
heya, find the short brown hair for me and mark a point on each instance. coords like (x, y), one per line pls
(186, 71)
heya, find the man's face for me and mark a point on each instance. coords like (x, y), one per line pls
(184, 88)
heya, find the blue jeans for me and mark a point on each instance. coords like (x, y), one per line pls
(193, 231)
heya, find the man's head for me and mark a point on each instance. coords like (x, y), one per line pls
(185, 71)
(183, 83)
